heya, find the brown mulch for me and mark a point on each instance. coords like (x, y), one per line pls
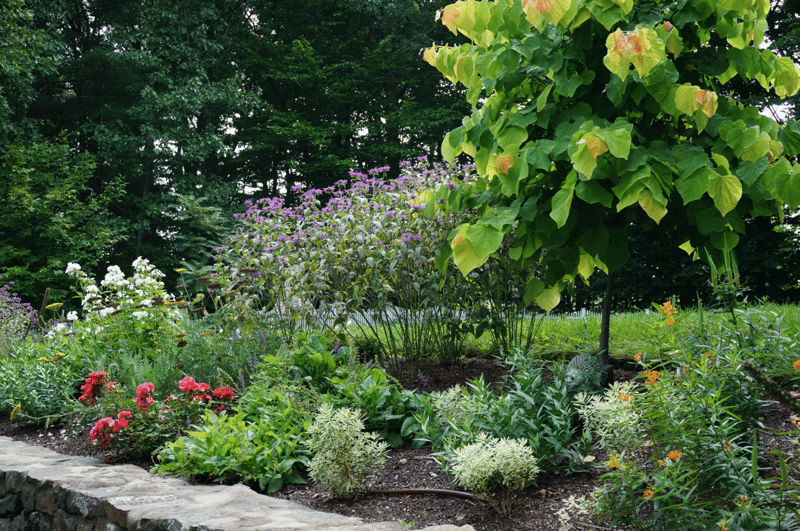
(416, 469)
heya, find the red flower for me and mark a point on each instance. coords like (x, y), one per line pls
(122, 420)
(187, 385)
(223, 393)
(143, 398)
(102, 432)
(93, 387)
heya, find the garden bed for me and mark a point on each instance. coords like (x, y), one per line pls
(417, 470)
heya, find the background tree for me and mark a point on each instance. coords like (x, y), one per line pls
(50, 211)
(590, 117)
(216, 100)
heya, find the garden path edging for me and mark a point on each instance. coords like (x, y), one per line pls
(41, 490)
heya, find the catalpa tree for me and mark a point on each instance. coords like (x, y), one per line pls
(593, 115)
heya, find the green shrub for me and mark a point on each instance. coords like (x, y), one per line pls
(612, 417)
(38, 385)
(345, 457)
(259, 445)
(529, 408)
(495, 470)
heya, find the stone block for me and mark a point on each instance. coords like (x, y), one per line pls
(18, 523)
(10, 505)
(46, 500)
(85, 505)
(29, 492)
(63, 521)
(39, 521)
(13, 480)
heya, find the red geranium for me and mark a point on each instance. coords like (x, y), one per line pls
(143, 398)
(102, 432)
(223, 393)
(94, 386)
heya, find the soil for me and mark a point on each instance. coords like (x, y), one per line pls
(411, 469)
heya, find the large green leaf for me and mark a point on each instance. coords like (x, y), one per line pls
(485, 239)
(593, 192)
(695, 185)
(562, 200)
(787, 184)
(654, 208)
(725, 190)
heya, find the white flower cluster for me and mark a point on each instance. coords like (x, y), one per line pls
(116, 292)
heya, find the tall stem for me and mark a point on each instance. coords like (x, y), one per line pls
(605, 327)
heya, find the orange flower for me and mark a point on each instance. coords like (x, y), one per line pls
(648, 493)
(670, 321)
(674, 455)
(727, 447)
(613, 462)
(796, 365)
(624, 397)
(637, 357)
(668, 309)
(652, 377)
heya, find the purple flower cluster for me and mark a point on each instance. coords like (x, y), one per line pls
(368, 212)
(15, 316)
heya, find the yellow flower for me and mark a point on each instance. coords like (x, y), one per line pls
(15, 411)
(648, 493)
(42, 358)
(54, 306)
(613, 462)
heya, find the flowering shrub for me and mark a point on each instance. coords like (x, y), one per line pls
(365, 257)
(148, 426)
(698, 455)
(96, 384)
(15, 317)
(136, 310)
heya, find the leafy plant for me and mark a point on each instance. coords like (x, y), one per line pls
(16, 318)
(612, 417)
(345, 456)
(591, 117)
(259, 445)
(528, 408)
(37, 388)
(496, 471)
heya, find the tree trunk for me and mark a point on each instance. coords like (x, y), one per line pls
(605, 327)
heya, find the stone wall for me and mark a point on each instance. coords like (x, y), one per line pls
(41, 490)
